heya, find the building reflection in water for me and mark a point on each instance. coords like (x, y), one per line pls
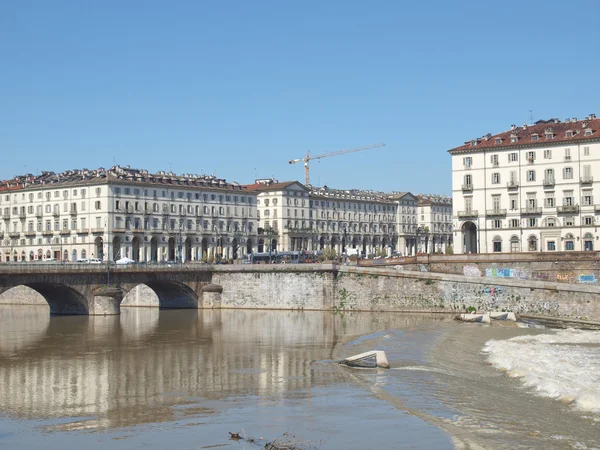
(137, 367)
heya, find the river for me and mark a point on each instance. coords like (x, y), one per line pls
(183, 379)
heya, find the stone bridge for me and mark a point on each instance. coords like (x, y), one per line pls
(94, 290)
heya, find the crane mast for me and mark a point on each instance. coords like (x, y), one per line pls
(308, 158)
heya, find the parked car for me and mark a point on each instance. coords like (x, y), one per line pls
(95, 261)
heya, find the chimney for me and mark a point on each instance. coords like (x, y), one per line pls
(525, 126)
(574, 119)
(512, 127)
(592, 116)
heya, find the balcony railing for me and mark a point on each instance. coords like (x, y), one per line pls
(586, 180)
(56, 213)
(47, 233)
(495, 212)
(531, 210)
(6, 216)
(39, 214)
(468, 213)
(73, 211)
(22, 215)
(97, 230)
(467, 187)
(29, 233)
(512, 184)
(568, 209)
(14, 234)
(118, 230)
(548, 182)
(138, 230)
(65, 231)
(83, 231)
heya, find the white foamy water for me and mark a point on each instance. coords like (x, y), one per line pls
(563, 365)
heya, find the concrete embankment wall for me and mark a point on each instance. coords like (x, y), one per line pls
(389, 289)
(561, 267)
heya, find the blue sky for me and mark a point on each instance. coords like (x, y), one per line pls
(238, 88)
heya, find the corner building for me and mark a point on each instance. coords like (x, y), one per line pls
(533, 188)
(125, 212)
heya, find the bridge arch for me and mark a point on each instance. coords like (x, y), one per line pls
(162, 294)
(62, 299)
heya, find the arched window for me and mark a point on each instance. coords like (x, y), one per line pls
(514, 244)
(497, 244)
(532, 244)
(74, 258)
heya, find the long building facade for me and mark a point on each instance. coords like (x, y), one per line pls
(296, 217)
(435, 223)
(123, 212)
(532, 188)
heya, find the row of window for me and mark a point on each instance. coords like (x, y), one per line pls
(48, 195)
(533, 222)
(530, 156)
(551, 244)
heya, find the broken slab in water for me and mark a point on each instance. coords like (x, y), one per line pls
(503, 315)
(368, 360)
(478, 318)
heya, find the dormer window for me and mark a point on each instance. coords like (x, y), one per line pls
(535, 137)
(588, 132)
(498, 141)
(569, 134)
(473, 143)
(549, 136)
(514, 139)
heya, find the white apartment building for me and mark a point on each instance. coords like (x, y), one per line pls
(294, 217)
(124, 212)
(435, 223)
(406, 223)
(533, 188)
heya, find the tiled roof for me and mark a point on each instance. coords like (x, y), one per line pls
(116, 174)
(273, 186)
(537, 135)
(434, 199)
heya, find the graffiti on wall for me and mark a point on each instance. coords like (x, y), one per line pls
(588, 279)
(497, 272)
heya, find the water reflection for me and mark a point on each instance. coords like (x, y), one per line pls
(138, 367)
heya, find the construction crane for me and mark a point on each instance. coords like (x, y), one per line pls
(307, 157)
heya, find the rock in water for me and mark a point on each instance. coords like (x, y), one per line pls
(479, 318)
(370, 360)
(503, 316)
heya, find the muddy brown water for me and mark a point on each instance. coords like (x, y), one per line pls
(152, 379)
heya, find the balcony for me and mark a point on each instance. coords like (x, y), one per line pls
(568, 209)
(548, 182)
(14, 234)
(597, 208)
(97, 230)
(531, 210)
(6, 216)
(467, 187)
(73, 211)
(468, 214)
(138, 230)
(512, 185)
(531, 160)
(586, 180)
(495, 212)
(29, 234)
(83, 231)
(22, 215)
(118, 230)
(47, 233)
(65, 232)
(39, 214)
(56, 213)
